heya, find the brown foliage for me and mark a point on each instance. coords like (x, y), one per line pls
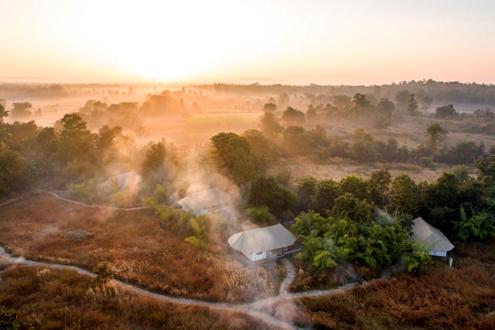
(49, 299)
(441, 298)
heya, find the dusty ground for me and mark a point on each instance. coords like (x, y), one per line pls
(136, 247)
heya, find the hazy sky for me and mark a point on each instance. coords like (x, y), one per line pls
(291, 41)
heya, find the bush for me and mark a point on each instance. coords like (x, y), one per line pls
(261, 215)
(13, 171)
(479, 226)
(417, 257)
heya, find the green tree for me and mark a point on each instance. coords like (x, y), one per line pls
(347, 205)
(155, 158)
(3, 113)
(355, 186)
(267, 152)
(292, 116)
(412, 105)
(270, 126)
(13, 171)
(307, 223)
(326, 193)
(234, 154)
(435, 134)
(21, 110)
(360, 101)
(270, 107)
(379, 187)
(342, 102)
(261, 215)
(385, 106)
(445, 111)
(76, 141)
(321, 252)
(267, 191)
(479, 226)
(405, 195)
(402, 99)
(306, 193)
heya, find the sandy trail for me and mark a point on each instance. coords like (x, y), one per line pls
(289, 278)
(57, 196)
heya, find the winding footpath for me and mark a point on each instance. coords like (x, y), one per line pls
(256, 309)
(56, 195)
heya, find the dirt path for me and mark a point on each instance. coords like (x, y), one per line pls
(289, 278)
(57, 196)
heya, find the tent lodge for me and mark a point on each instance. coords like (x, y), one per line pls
(262, 243)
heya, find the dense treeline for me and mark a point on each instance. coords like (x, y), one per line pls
(447, 92)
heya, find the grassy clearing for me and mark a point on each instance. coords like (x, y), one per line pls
(440, 298)
(136, 246)
(47, 299)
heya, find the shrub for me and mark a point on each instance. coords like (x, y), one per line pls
(261, 215)
(480, 226)
(417, 257)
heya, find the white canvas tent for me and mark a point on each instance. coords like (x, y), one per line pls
(431, 237)
(261, 243)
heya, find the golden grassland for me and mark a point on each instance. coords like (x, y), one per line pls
(439, 298)
(57, 299)
(137, 247)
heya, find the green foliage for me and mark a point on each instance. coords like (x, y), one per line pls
(327, 191)
(292, 116)
(355, 186)
(479, 226)
(235, 156)
(379, 187)
(268, 192)
(405, 196)
(21, 110)
(321, 252)
(270, 107)
(445, 111)
(416, 257)
(306, 193)
(161, 193)
(3, 113)
(155, 158)
(270, 126)
(194, 228)
(310, 223)
(377, 245)
(261, 215)
(85, 191)
(74, 138)
(266, 152)
(360, 211)
(486, 166)
(195, 241)
(435, 134)
(13, 171)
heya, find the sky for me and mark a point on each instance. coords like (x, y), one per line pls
(265, 41)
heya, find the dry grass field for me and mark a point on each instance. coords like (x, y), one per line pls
(40, 298)
(440, 298)
(136, 248)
